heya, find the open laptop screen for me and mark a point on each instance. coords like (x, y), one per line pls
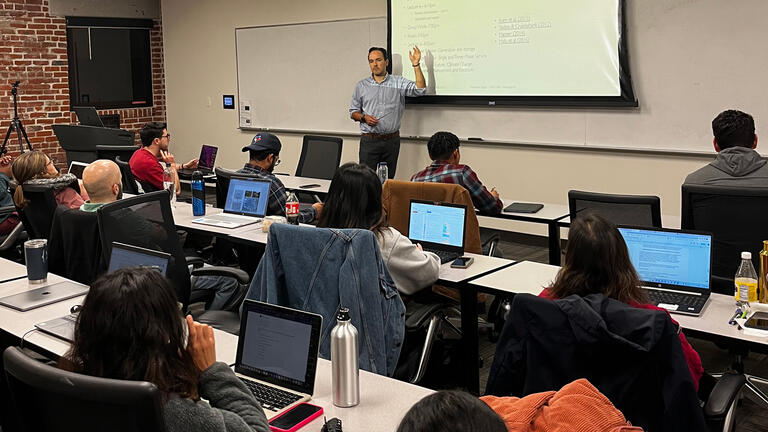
(207, 156)
(127, 256)
(669, 257)
(77, 169)
(247, 197)
(435, 223)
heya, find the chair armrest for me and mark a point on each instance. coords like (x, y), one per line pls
(7, 210)
(195, 261)
(241, 276)
(421, 314)
(723, 395)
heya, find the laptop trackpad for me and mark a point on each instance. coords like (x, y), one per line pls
(667, 306)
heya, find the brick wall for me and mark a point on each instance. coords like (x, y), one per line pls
(33, 49)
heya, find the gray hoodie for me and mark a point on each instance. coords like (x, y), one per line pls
(735, 166)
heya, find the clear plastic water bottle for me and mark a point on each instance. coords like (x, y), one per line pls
(382, 171)
(168, 183)
(746, 280)
(198, 194)
(292, 208)
(345, 366)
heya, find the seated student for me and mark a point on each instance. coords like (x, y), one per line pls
(737, 162)
(34, 167)
(130, 328)
(264, 156)
(145, 162)
(597, 262)
(354, 201)
(443, 149)
(8, 221)
(451, 411)
(103, 182)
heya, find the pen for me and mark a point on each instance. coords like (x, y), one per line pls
(738, 313)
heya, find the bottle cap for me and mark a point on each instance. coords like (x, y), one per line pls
(343, 314)
(746, 255)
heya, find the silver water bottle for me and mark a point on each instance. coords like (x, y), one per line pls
(345, 377)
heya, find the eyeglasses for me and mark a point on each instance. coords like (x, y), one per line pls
(166, 136)
(277, 162)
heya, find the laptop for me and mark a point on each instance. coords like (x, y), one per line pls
(439, 227)
(122, 256)
(277, 354)
(44, 296)
(674, 266)
(77, 168)
(205, 162)
(246, 204)
(88, 116)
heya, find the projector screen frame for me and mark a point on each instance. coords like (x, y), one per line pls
(627, 98)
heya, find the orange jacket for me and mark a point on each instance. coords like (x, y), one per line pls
(578, 406)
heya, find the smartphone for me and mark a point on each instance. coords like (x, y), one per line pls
(295, 418)
(462, 262)
(758, 320)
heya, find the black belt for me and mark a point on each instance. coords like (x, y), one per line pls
(394, 134)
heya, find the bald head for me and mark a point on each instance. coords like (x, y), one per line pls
(102, 181)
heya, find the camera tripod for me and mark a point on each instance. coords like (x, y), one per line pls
(15, 125)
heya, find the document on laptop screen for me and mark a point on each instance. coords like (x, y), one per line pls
(669, 257)
(246, 196)
(436, 224)
(277, 346)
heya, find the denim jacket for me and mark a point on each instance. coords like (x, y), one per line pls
(320, 269)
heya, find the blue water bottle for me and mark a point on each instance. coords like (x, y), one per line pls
(198, 194)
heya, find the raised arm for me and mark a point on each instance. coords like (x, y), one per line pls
(415, 56)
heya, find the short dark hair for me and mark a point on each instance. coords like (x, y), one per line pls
(260, 155)
(733, 128)
(130, 328)
(354, 199)
(449, 411)
(380, 49)
(442, 144)
(150, 131)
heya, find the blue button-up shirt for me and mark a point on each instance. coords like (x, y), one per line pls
(384, 100)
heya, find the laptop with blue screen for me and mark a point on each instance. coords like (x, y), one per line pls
(674, 266)
(439, 227)
(246, 204)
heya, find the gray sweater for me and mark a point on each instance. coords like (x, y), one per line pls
(232, 406)
(735, 166)
(410, 268)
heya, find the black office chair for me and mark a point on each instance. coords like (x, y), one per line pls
(130, 185)
(146, 221)
(48, 399)
(74, 247)
(320, 157)
(633, 356)
(10, 244)
(635, 210)
(111, 152)
(37, 214)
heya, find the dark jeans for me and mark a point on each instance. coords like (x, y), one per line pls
(373, 151)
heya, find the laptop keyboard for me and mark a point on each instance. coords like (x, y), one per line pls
(684, 302)
(270, 397)
(445, 256)
(229, 219)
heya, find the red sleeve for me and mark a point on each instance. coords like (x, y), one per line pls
(545, 294)
(146, 168)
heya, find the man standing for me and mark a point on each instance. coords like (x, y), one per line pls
(145, 162)
(378, 103)
(737, 163)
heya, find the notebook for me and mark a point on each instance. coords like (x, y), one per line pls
(674, 266)
(439, 227)
(77, 168)
(205, 162)
(277, 354)
(122, 256)
(246, 204)
(44, 296)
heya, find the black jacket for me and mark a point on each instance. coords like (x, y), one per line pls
(74, 249)
(631, 355)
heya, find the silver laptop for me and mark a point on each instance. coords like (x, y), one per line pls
(277, 354)
(674, 266)
(439, 227)
(77, 168)
(121, 256)
(44, 296)
(246, 204)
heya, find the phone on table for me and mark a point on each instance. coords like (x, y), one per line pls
(295, 418)
(462, 262)
(758, 320)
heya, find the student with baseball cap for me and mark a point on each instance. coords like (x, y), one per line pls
(264, 156)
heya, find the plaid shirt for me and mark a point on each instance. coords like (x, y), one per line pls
(277, 195)
(443, 172)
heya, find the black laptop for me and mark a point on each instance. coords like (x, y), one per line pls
(439, 227)
(87, 116)
(205, 162)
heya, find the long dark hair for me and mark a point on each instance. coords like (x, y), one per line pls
(451, 410)
(354, 200)
(597, 261)
(130, 328)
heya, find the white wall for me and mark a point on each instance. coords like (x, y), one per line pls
(200, 66)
